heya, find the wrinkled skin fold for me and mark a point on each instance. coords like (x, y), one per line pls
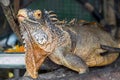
(34, 55)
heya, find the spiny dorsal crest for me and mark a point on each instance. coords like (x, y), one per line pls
(54, 18)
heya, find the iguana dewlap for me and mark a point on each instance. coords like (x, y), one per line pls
(76, 46)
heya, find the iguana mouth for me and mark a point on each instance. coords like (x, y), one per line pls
(20, 17)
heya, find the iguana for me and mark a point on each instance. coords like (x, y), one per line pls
(74, 45)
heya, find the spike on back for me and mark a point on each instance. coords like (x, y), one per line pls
(54, 18)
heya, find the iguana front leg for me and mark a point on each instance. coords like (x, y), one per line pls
(69, 60)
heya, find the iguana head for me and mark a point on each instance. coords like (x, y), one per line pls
(34, 16)
(31, 24)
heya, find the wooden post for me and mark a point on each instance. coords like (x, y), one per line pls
(109, 13)
(10, 15)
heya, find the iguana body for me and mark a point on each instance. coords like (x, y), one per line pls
(76, 46)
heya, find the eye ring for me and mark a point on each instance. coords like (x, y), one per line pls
(37, 14)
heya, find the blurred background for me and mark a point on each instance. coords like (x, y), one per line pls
(105, 12)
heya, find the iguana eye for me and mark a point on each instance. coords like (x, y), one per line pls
(37, 14)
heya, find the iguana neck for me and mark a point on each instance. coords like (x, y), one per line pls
(57, 34)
